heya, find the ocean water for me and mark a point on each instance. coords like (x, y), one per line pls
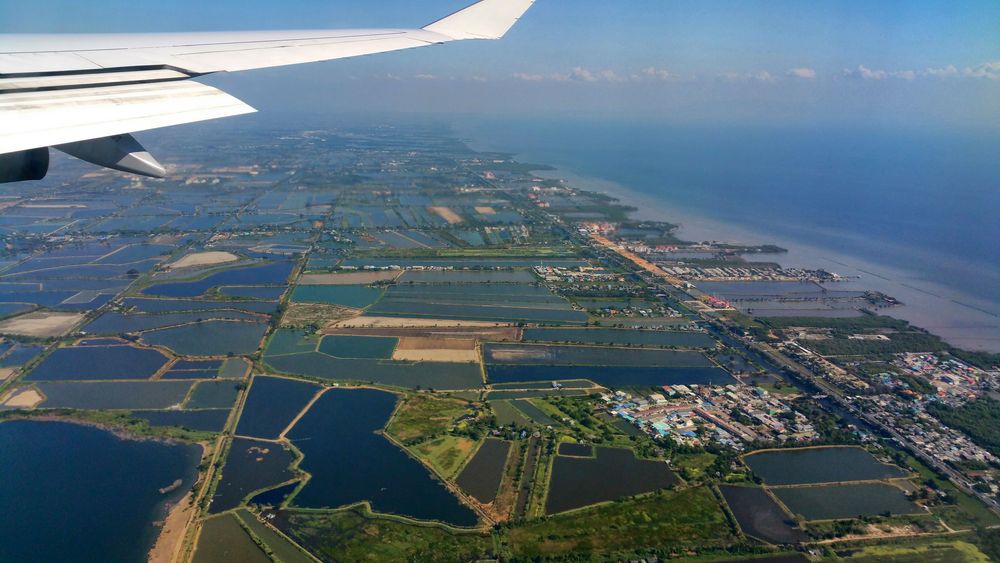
(914, 213)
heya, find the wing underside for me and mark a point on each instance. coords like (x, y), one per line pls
(57, 90)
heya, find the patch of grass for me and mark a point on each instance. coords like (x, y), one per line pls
(350, 535)
(445, 454)
(692, 466)
(930, 552)
(966, 512)
(421, 416)
(661, 523)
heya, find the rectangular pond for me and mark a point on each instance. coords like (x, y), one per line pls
(819, 465)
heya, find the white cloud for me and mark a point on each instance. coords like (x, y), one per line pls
(801, 72)
(584, 74)
(527, 77)
(866, 73)
(425, 77)
(989, 71)
(758, 76)
(904, 74)
(945, 72)
(652, 73)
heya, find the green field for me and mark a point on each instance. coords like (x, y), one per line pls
(421, 416)
(667, 522)
(349, 536)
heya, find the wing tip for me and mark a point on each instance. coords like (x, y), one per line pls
(486, 19)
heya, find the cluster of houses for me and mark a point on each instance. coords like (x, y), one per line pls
(732, 415)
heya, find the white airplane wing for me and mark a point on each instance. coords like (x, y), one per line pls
(84, 94)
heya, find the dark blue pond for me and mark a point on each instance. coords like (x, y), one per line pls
(350, 462)
(270, 274)
(99, 362)
(79, 493)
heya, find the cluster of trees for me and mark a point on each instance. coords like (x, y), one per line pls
(979, 419)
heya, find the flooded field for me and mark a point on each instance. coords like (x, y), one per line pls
(846, 501)
(759, 516)
(355, 296)
(251, 465)
(209, 338)
(44, 465)
(223, 539)
(577, 482)
(272, 404)
(819, 465)
(677, 339)
(124, 395)
(434, 375)
(216, 394)
(350, 462)
(270, 274)
(555, 355)
(98, 362)
(114, 322)
(360, 347)
(578, 450)
(481, 476)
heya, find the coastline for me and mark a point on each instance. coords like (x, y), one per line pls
(958, 318)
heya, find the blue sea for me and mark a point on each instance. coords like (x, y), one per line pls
(913, 212)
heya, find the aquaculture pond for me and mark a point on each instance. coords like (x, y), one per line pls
(269, 274)
(209, 338)
(356, 296)
(830, 502)
(760, 516)
(578, 481)
(272, 404)
(98, 362)
(251, 465)
(63, 483)
(678, 339)
(579, 450)
(125, 395)
(819, 465)
(611, 376)
(250, 292)
(435, 375)
(370, 347)
(114, 322)
(350, 462)
(533, 354)
(482, 474)
(215, 394)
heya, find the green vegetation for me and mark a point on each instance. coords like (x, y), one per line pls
(936, 551)
(659, 524)
(980, 419)
(350, 535)
(898, 343)
(446, 454)
(422, 416)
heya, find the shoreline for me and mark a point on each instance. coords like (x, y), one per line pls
(959, 319)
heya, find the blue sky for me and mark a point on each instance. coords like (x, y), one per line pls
(912, 61)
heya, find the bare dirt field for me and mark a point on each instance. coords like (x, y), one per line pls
(41, 325)
(319, 314)
(203, 259)
(5, 374)
(436, 349)
(486, 210)
(491, 333)
(351, 278)
(400, 322)
(447, 214)
(24, 399)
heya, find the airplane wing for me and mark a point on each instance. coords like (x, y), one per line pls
(85, 94)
